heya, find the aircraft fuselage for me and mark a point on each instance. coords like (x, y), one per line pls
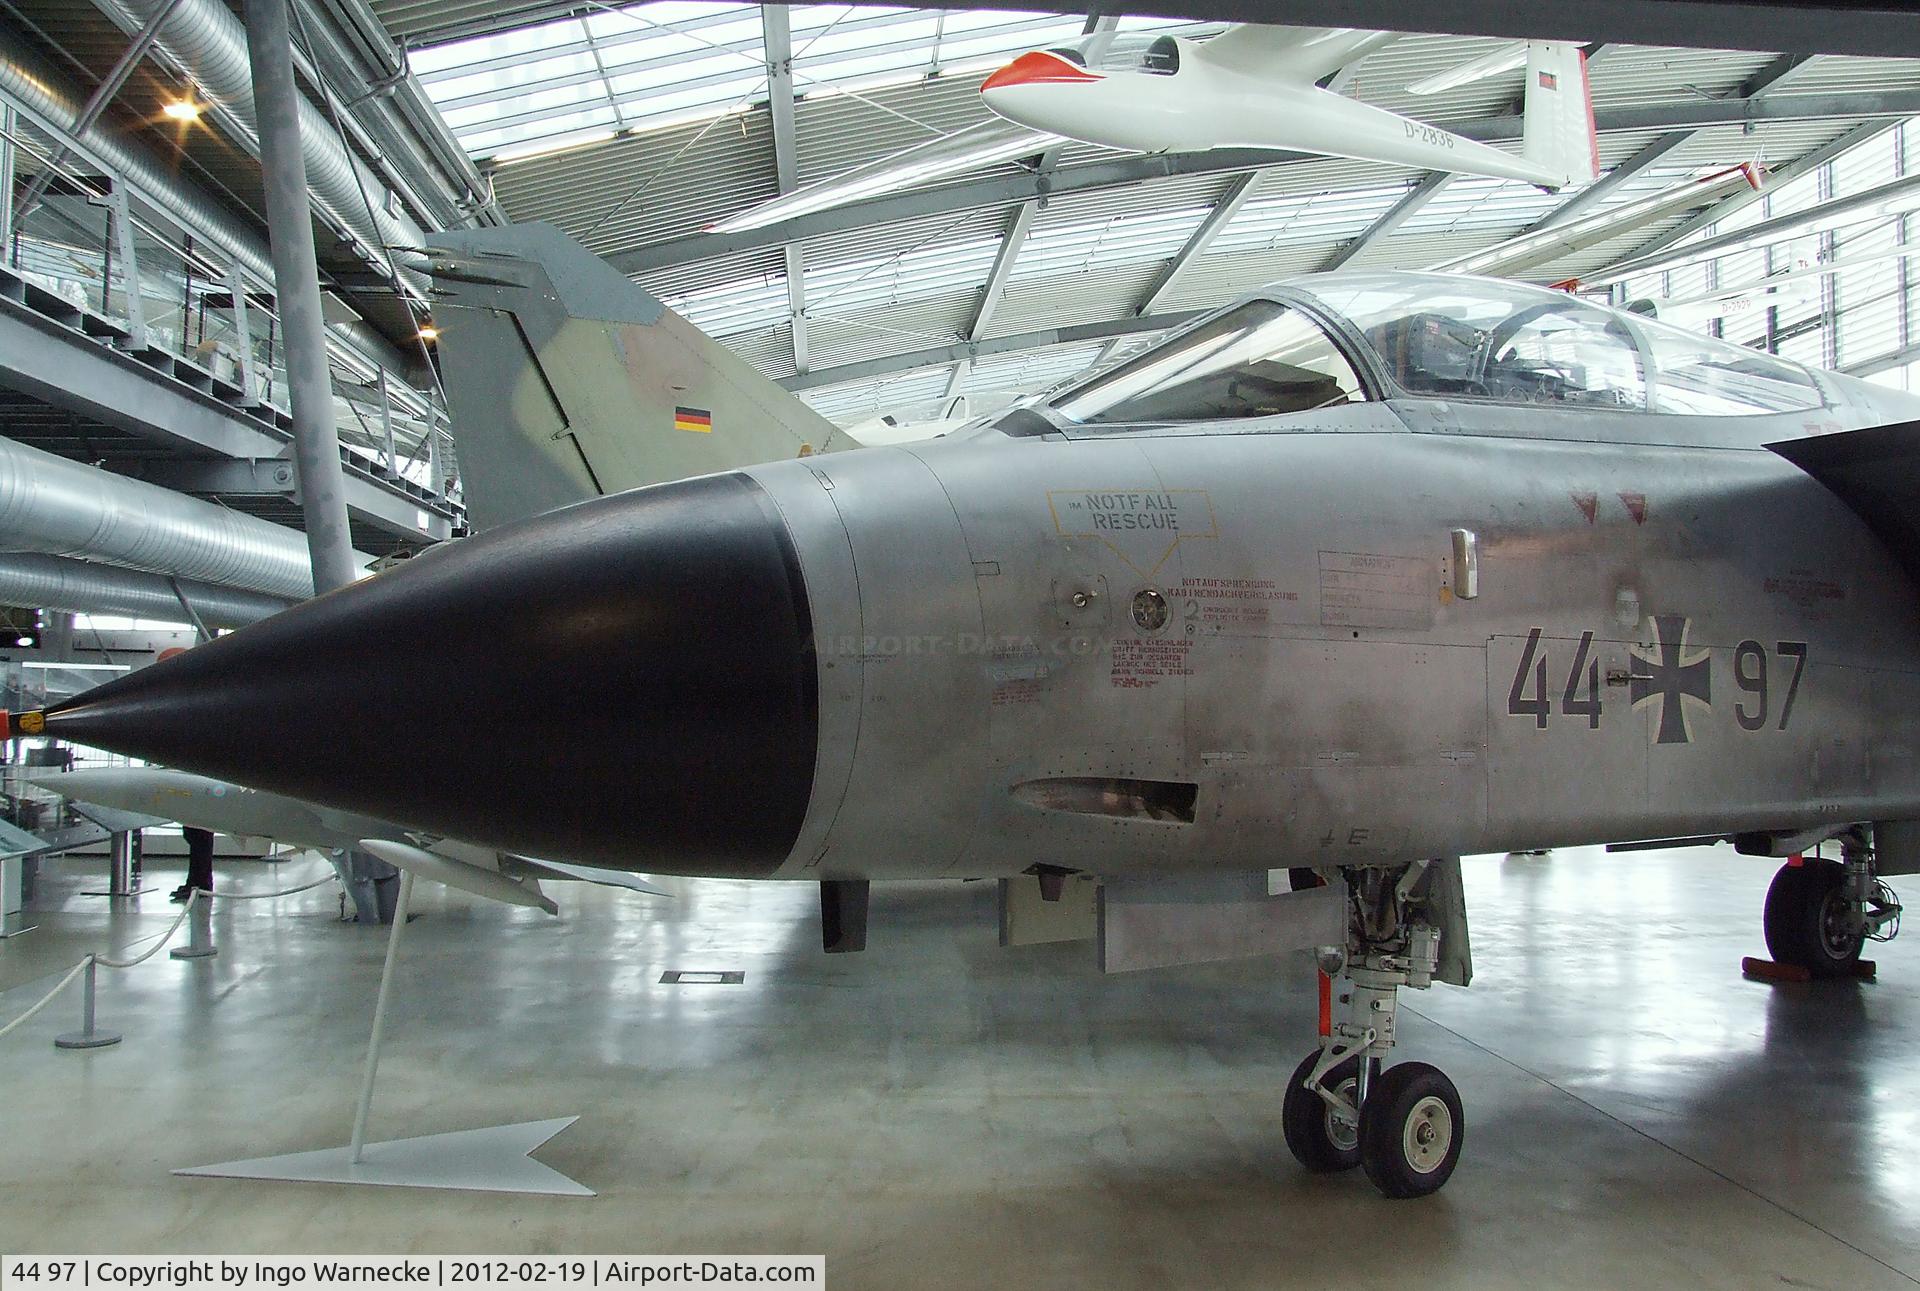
(1152, 652)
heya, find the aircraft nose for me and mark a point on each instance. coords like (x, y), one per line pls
(1038, 67)
(628, 682)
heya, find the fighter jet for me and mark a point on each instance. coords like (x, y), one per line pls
(1358, 574)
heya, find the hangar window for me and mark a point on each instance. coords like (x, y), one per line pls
(1263, 359)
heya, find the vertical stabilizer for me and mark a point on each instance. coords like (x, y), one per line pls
(566, 380)
(1558, 134)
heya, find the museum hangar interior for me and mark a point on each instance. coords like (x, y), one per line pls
(949, 610)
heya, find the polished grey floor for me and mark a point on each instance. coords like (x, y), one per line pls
(939, 1112)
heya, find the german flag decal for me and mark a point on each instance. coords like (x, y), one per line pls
(695, 419)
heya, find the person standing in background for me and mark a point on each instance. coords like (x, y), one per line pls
(199, 862)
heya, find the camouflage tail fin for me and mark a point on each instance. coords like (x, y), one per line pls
(567, 380)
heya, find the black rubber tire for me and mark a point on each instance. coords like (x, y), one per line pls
(1308, 1121)
(1402, 1100)
(1802, 903)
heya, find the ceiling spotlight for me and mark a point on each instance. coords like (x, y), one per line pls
(182, 110)
(428, 332)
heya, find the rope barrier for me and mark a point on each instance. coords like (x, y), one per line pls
(159, 943)
(263, 896)
(186, 908)
(47, 999)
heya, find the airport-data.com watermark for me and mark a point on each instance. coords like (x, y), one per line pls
(463, 1272)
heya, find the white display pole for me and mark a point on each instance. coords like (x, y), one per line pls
(359, 1144)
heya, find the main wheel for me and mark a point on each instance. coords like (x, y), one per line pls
(1807, 920)
(1318, 1139)
(1411, 1130)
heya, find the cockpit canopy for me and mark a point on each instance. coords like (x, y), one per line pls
(1125, 52)
(1332, 339)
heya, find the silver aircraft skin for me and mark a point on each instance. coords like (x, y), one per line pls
(1360, 574)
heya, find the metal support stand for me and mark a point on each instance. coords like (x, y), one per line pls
(365, 1105)
(120, 877)
(199, 931)
(496, 1159)
(88, 1036)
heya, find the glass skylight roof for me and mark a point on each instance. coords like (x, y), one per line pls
(645, 66)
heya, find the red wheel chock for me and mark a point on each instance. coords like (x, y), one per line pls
(1766, 970)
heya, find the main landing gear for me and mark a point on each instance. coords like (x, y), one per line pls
(1404, 1124)
(1821, 913)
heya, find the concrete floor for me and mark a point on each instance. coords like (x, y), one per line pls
(939, 1112)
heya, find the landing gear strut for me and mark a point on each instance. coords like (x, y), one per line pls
(1821, 913)
(1403, 1125)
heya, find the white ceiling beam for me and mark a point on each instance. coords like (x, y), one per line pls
(1746, 197)
(778, 36)
(1014, 240)
(1238, 190)
(1597, 192)
(1011, 243)
(941, 355)
(1387, 225)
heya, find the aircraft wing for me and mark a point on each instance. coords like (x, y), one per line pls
(594, 874)
(1508, 57)
(987, 143)
(1303, 54)
(517, 868)
(1875, 471)
(482, 882)
(114, 820)
(18, 842)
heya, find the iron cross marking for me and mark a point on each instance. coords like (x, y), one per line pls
(1672, 677)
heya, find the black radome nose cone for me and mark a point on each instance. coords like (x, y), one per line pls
(628, 682)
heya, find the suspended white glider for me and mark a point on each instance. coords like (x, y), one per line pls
(1249, 87)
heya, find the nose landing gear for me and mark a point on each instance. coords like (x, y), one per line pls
(1821, 913)
(1404, 1125)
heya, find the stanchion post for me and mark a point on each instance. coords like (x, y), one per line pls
(88, 1036)
(120, 864)
(199, 930)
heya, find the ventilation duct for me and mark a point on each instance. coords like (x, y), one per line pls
(210, 45)
(61, 508)
(82, 587)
